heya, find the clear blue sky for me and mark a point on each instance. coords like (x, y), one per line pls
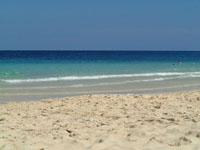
(100, 24)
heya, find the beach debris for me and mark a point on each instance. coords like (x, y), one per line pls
(189, 133)
(170, 119)
(72, 134)
(158, 106)
(198, 135)
(154, 139)
(132, 126)
(100, 140)
(69, 131)
(182, 141)
(102, 124)
(2, 119)
(193, 120)
(115, 117)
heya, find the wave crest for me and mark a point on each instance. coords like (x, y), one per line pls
(95, 77)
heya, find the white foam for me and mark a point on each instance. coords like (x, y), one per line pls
(95, 77)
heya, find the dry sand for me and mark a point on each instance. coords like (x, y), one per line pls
(169, 121)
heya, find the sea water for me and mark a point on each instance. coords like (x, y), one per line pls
(32, 75)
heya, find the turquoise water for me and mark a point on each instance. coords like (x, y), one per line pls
(29, 75)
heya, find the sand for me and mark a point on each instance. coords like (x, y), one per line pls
(169, 121)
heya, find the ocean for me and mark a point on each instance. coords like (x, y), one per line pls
(33, 75)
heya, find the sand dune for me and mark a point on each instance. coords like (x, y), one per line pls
(169, 121)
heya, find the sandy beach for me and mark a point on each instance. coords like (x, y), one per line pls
(168, 121)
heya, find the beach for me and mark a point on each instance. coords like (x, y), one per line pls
(94, 122)
(99, 75)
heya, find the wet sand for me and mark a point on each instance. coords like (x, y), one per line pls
(103, 122)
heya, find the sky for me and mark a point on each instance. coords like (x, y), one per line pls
(100, 25)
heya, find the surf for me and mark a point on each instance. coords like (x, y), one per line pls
(97, 77)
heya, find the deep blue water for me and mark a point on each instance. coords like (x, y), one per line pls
(98, 56)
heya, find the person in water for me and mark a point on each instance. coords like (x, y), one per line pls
(179, 62)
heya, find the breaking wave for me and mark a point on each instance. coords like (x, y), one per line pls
(96, 77)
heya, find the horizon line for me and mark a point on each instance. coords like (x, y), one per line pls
(90, 50)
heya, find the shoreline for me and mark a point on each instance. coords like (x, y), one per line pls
(41, 96)
(102, 121)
